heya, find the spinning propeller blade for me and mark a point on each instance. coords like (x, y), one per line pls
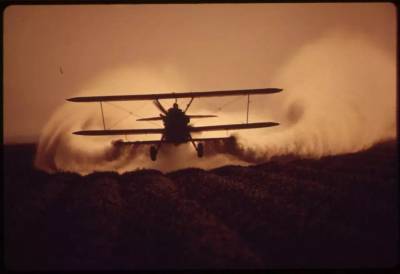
(150, 119)
(202, 116)
(159, 106)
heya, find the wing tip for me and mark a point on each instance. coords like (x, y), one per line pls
(83, 99)
(73, 99)
(85, 133)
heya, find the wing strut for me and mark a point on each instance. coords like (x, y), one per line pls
(248, 104)
(188, 105)
(102, 115)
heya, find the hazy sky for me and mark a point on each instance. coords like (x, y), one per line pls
(51, 52)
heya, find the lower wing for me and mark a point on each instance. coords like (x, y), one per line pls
(213, 139)
(161, 130)
(121, 142)
(120, 132)
(233, 126)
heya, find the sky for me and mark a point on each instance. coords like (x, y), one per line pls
(53, 52)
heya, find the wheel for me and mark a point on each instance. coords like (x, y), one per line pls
(117, 143)
(153, 153)
(200, 150)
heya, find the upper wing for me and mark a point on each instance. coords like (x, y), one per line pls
(173, 95)
(120, 132)
(233, 126)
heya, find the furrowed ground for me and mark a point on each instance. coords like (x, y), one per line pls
(339, 211)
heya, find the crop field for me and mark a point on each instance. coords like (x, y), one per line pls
(338, 211)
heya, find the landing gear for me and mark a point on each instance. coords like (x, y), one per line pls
(153, 153)
(200, 150)
(199, 147)
(154, 149)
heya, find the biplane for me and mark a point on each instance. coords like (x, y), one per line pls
(177, 128)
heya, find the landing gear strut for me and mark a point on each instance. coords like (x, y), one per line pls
(154, 150)
(200, 150)
(153, 153)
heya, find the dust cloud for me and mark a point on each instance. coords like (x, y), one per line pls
(60, 150)
(339, 97)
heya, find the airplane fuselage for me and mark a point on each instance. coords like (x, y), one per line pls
(176, 124)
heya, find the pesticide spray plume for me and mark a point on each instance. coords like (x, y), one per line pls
(60, 150)
(339, 97)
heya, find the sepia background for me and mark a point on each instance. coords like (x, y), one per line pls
(335, 62)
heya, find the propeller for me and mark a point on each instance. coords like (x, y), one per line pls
(150, 119)
(159, 106)
(202, 116)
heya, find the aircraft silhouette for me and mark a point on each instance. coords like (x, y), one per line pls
(177, 129)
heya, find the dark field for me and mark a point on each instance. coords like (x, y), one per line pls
(339, 211)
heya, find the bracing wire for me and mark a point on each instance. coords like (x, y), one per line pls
(218, 109)
(123, 109)
(119, 121)
(130, 113)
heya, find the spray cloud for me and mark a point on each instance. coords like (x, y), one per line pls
(339, 97)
